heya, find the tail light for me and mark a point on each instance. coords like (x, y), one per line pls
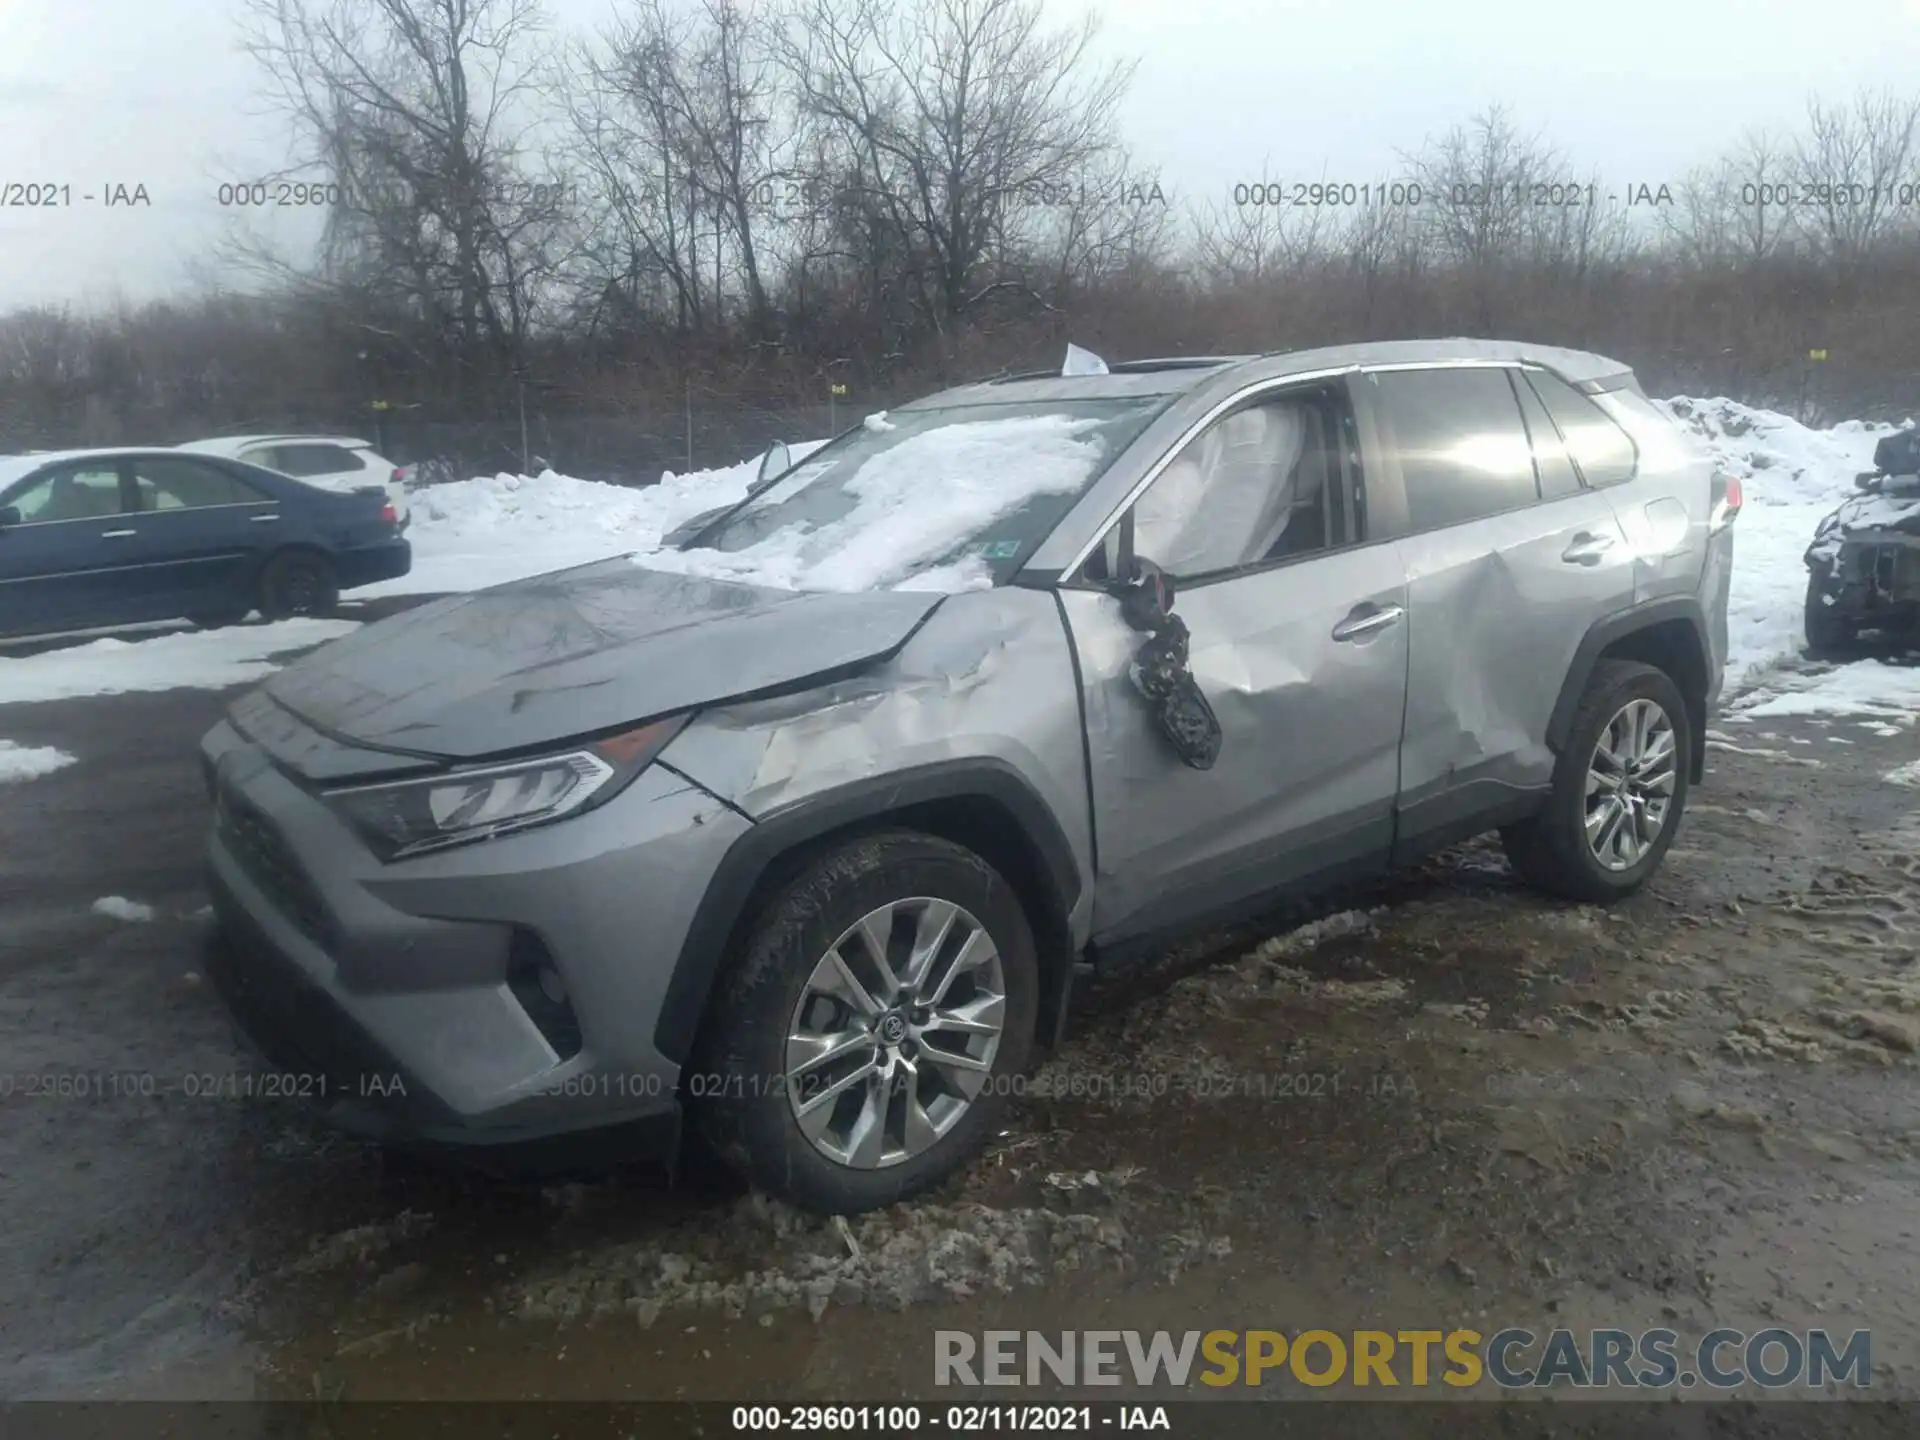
(399, 476)
(1727, 499)
(389, 514)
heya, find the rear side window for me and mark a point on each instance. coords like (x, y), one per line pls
(1462, 449)
(1599, 447)
(1557, 475)
(167, 484)
(305, 460)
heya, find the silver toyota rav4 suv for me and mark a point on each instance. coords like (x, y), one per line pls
(802, 825)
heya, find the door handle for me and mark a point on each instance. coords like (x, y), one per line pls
(116, 534)
(1587, 548)
(262, 519)
(1363, 623)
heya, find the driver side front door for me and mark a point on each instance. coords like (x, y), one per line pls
(1299, 642)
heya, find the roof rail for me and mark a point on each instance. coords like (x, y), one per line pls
(1175, 362)
(1129, 367)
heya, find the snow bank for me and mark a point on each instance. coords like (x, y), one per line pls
(1792, 476)
(194, 659)
(1866, 687)
(29, 762)
(490, 530)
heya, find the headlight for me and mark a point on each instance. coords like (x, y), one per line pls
(406, 817)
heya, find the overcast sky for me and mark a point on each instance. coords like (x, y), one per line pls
(156, 93)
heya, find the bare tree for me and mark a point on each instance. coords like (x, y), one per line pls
(1381, 244)
(943, 113)
(1740, 207)
(1257, 235)
(1851, 166)
(409, 108)
(1478, 184)
(1118, 220)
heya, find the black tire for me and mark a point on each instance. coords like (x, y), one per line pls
(1828, 633)
(297, 582)
(736, 1088)
(1551, 851)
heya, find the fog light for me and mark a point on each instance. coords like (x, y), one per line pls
(537, 984)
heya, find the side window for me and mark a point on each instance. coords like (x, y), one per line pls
(1257, 485)
(1457, 435)
(1557, 475)
(74, 492)
(1599, 447)
(169, 484)
(266, 456)
(304, 460)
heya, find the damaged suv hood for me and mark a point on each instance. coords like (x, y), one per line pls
(578, 651)
(1895, 508)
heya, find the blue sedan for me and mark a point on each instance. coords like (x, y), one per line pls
(117, 537)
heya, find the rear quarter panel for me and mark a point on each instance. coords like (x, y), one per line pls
(1664, 509)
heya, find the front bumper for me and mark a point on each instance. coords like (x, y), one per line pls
(1873, 578)
(401, 993)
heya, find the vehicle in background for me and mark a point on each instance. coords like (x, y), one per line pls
(804, 827)
(1863, 566)
(91, 538)
(328, 462)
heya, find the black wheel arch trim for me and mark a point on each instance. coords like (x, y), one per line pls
(1610, 629)
(780, 832)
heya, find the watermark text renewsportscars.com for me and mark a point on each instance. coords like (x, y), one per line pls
(1512, 1359)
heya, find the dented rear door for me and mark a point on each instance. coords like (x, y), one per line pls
(1497, 602)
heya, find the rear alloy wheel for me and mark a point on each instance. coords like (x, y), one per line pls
(1619, 788)
(297, 582)
(865, 1037)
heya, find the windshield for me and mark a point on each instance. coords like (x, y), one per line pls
(952, 498)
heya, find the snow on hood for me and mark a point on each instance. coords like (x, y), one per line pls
(1793, 476)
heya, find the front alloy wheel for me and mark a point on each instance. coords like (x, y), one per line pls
(870, 1025)
(1630, 781)
(895, 1032)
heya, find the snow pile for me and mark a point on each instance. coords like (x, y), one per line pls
(1792, 476)
(1866, 687)
(487, 531)
(194, 659)
(118, 907)
(29, 762)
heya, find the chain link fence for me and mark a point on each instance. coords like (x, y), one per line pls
(616, 449)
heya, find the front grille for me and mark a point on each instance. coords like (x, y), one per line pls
(271, 865)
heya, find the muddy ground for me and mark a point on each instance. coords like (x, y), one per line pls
(1443, 1103)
